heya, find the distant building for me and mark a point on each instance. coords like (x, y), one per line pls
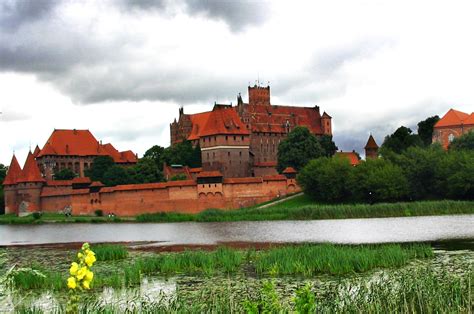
(242, 140)
(76, 150)
(371, 148)
(353, 157)
(453, 124)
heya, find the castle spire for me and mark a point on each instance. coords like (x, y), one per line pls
(14, 171)
(31, 172)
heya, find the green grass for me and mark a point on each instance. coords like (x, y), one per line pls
(304, 260)
(303, 208)
(12, 219)
(110, 252)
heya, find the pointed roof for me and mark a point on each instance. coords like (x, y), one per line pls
(371, 143)
(13, 173)
(325, 115)
(37, 151)
(30, 172)
(351, 156)
(452, 118)
(289, 170)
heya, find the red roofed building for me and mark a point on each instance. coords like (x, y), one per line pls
(371, 148)
(351, 156)
(76, 150)
(236, 140)
(453, 124)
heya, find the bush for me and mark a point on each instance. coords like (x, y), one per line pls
(325, 179)
(378, 181)
(37, 215)
(99, 212)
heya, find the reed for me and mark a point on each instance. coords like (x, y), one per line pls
(110, 252)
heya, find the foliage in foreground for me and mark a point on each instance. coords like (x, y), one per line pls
(408, 291)
(304, 260)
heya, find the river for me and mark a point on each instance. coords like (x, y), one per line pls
(343, 231)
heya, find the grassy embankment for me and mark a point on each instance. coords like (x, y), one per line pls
(298, 208)
(302, 260)
(303, 208)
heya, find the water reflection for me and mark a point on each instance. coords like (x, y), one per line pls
(349, 231)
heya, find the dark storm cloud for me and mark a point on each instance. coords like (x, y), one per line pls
(15, 13)
(237, 14)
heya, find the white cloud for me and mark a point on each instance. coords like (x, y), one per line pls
(123, 71)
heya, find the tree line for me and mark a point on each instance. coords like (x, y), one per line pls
(410, 168)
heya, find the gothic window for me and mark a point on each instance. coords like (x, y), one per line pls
(235, 138)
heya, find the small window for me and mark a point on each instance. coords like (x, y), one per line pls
(226, 137)
(450, 137)
(235, 138)
(228, 154)
(242, 137)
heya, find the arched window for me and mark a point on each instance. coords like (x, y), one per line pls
(450, 137)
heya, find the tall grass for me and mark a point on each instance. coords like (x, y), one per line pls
(305, 260)
(302, 208)
(419, 291)
(309, 260)
(110, 252)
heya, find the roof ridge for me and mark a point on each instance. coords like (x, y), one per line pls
(14, 171)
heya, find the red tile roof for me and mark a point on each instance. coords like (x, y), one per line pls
(274, 118)
(59, 182)
(243, 180)
(30, 172)
(470, 119)
(276, 177)
(14, 171)
(371, 143)
(82, 143)
(96, 184)
(37, 151)
(452, 118)
(195, 170)
(83, 180)
(289, 170)
(351, 156)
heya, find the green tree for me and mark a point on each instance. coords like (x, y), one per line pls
(145, 171)
(64, 174)
(327, 145)
(378, 180)
(155, 153)
(3, 174)
(399, 141)
(420, 167)
(463, 142)
(456, 174)
(425, 129)
(298, 149)
(325, 179)
(116, 175)
(183, 154)
(99, 167)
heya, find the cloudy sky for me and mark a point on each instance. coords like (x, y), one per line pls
(122, 68)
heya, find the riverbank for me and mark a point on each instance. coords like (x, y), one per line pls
(296, 208)
(228, 280)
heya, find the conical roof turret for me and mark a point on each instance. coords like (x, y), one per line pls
(14, 171)
(371, 143)
(30, 172)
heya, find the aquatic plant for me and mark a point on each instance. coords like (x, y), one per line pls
(110, 252)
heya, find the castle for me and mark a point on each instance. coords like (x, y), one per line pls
(453, 124)
(242, 140)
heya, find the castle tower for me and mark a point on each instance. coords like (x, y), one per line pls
(371, 148)
(29, 186)
(9, 186)
(326, 123)
(259, 95)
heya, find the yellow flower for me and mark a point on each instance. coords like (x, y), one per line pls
(81, 273)
(86, 284)
(71, 283)
(73, 269)
(89, 275)
(90, 259)
(80, 255)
